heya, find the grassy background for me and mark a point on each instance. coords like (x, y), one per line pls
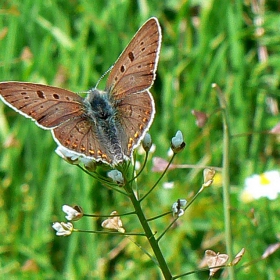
(71, 44)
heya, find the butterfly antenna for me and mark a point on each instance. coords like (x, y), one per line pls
(103, 76)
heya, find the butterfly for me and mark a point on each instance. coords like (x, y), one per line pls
(106, 125)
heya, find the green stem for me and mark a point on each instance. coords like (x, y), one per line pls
(159, 216)
(102, 180)
(226, 180)
(149, 234)
(163, 173)
(106, 216)
(141, 170)
(175, 219)
(109, 232)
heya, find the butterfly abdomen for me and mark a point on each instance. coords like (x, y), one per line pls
(103, 116)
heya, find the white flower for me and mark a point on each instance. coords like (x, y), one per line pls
(266, 184)
(215, 259)
(170, 153)
(67, 155)
(63, 229)
(89, 163)
(208, 176)
(178, 139)
(116, 176)
(177, 207)
(113, 223)
(73, 158)
(72, 213)
(153, 148)
(177, 142)
(168, 185)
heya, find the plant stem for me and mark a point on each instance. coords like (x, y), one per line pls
(226, 180)
(161, 176)
(149, 234)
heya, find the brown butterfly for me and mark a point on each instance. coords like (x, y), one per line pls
(106, 125)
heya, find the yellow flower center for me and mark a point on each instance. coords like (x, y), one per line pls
(264, 180)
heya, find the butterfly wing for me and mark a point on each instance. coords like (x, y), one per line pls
(79, 135)
(127, 86)
(136, 115)
(135, 69)
(47, 106)
(128, 83)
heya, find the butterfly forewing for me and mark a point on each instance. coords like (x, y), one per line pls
(135, 69)
(136, 115)
(48, 106)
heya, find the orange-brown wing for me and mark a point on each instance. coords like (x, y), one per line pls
(47, 106)
(135, 69)
(135, 113)
(79, 136)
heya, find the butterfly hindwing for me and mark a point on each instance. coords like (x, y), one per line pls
(79, 136)
(136, 113)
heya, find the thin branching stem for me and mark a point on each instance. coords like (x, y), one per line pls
(106, 216)
(145, 251)
(141, 170)
(110, 232)
(161, 176)
(175, 219)
(102, 180)
(159, 216)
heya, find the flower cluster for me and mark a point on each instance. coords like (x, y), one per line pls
(118, 177)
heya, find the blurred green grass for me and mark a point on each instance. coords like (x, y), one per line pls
(71, 44)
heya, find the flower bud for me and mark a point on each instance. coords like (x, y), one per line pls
(147, 142)
(208, 175)
(177, 142)
(116, 176)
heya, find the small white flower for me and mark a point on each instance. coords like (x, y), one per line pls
(208, 176)
(177, 207)
(168, 185)
(63, 229)
(113, 223)
(153, 148)
(72, 213)
(178, 139)
(73, 158)
(89, 163)
(67, 155)
(266, 184)
(116, 176)
(215, 259)
(170, 153)
(177, 142)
